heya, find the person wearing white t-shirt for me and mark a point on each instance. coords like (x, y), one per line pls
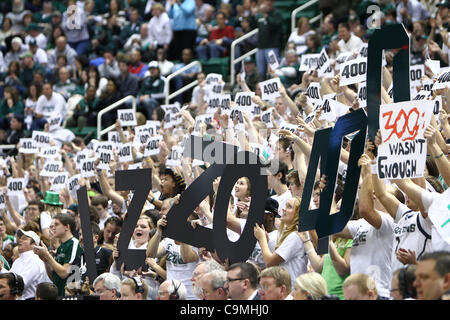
(277, 182)
(48, 103)
(181, 258)
(289, 251)
(349, 42)
(373, 236)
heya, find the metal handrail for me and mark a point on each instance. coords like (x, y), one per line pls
(301, 8)
(233, 61)
(116, 104)
(183, 89)
(7, 146)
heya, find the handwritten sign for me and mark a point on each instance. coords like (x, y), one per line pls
(403, 150)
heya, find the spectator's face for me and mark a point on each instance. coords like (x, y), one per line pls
(15, 125)
(294, 189)
(134, 16)
(163, 291)
(209, 292)
(31, 212)
(126, 293)
(316, 197)
(135, 56)
(47, 91)
(90, 93)
(395, 291)
(352, 292)
(279, 106)
(61, 43)
(289, 211)
(8, 252)
(15, 46)
(144, 30)
(63, 75)
(197, 275)
(110, 87)
(59, 230)
(123, 67)
(109, 232)
(154, 72)
(103, 292)
(249, 67)
(343, 33)
(201, 77)
(236, 288)
(25, 244)
(220, 21)
(167, 186)
(5, 292)
(299, 294)
(186, 56)
(142, 231)
(269, 290)
(156, 12)
(241, 189)
(429, 284)
(269, 4)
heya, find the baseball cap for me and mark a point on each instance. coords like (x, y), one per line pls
(153, 64)
(73, 207)
(26, 54)
(272, 207)
(248, 60)
(30, 234)
(32, 42)
(444, 4)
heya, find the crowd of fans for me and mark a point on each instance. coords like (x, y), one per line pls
(68, 60)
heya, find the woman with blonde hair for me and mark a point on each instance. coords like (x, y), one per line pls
(299, 35)
(289, 250)
(309, 286)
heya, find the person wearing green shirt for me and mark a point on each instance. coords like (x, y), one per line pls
(68, 254)
(152, 90)
(134, 27)
(9, 106)
(83, 110)
(29, 68)
(270, 34)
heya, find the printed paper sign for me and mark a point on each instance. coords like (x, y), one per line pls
(219, 100)
(266, 117)
(416, 72)
(114, 136)
(434, 65)
(174, 158)
(215, 88)
(342, 58)
(362, 95)
(105, 156)
(125, 152)
(332, 109)
(60, 181)
(273, 61)
(213, 78)
(289, 127)
(313, 93)
(422, 95)
(28, 146)
(49, 152)
(244, 100)
(172, 117)
(73, 185)
(135, 166)
(152, 147)
(353, 71)
(126, 117)
(362, 53)
(437, 107)
(51, 168)
(41, 139)
(15, 186)
(323, 63)
(154, 124)
(237, 113)
(88, 168)
(442, 81)
(202, 118)
(54, 122)
(403, 150)
(427, 84)
(2, 201)
(260, 151)
(82, 155)
(270, 89)
(309, 61)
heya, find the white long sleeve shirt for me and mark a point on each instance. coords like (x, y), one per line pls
(32, 270)
(160, 29)
(56, 104)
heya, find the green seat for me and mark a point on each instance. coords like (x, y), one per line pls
(84, 132)
(217, 65)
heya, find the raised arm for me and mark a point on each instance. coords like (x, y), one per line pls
(154, 248)
(435, 151)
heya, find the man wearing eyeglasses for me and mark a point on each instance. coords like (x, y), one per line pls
(242, 281)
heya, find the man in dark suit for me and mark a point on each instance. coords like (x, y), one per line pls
(242, 282)
(14, 133)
